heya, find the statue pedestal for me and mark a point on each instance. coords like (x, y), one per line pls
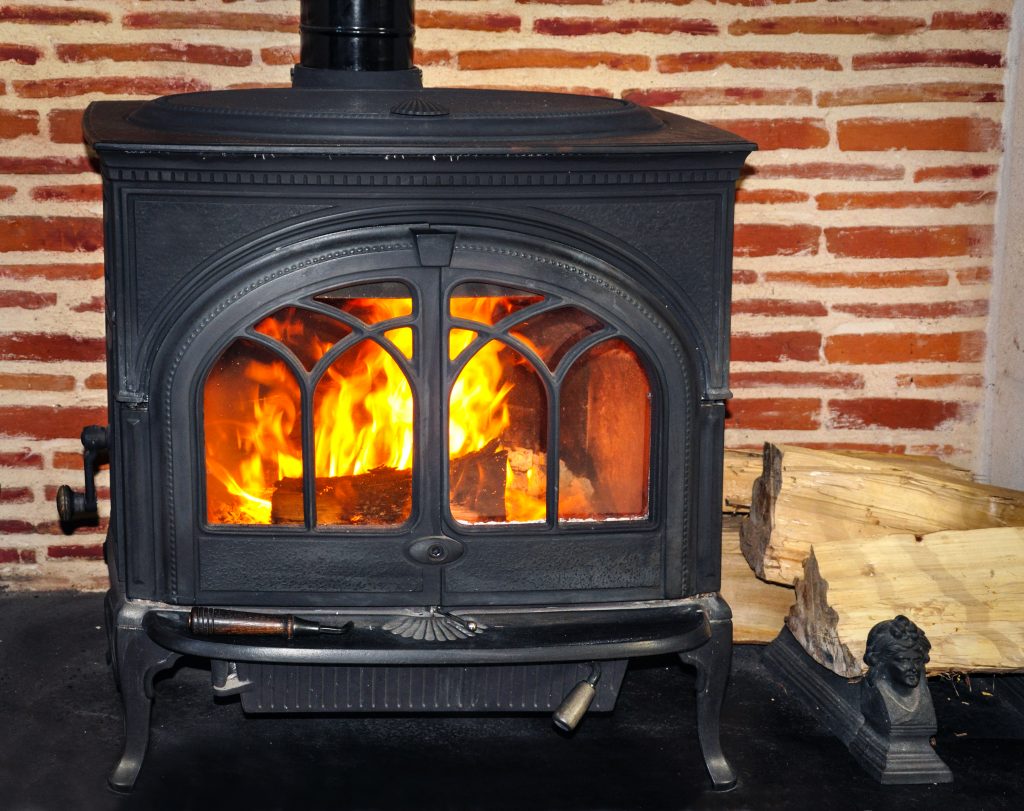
(892, 748)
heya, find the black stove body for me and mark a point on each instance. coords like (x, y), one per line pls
(581, 244)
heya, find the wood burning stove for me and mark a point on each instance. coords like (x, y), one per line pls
(442, 371)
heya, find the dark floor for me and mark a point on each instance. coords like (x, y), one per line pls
(60, 731)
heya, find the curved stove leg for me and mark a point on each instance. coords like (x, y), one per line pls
(137, 660)
(712, 661)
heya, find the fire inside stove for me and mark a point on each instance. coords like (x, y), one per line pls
(338, 380)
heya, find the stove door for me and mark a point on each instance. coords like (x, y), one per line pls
(496, 430)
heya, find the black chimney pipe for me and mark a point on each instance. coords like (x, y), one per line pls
(357, 44)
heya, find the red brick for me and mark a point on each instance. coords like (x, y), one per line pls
(796, 380)
(868, 280)
(770, 196)
(22, 54)
(96, 381)
(50, 346)
(49, 422)
(36, 382)
(109, 85)
(56, 528)
(155, 52)
(26, 299)
(465, 21)
(749, 60)
(970, 276)
(436, 56)
(719, 96)
(94, 305)
(59, 271)
(51, 233)
(13, 526)
(928, 59)
(978, 92)
(744, 276)
(895, 414)
(971, 171)
(828, 171)
(779, 307)
(281, 55)
(776, 240)
(936, 309)
(918, 381)
(45, 166)
(229, 20)
(50, 15)
(869, 242)
(585, 26)
(24, 458)
(835, 201)
(776, 346)
(76, 551)
(883, 26)
(964, 21)
(16, 123)
(778, 133)
(73, 193)
(577, 90)
(948, 134)
(905, 347)
(774, 413)
(550, 58)
(9, 554)
(67, 460)
(7, 192)
(66, 126)
(16, 495)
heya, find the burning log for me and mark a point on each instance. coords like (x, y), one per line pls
(383, 496)
(964, 588)
(805, 497)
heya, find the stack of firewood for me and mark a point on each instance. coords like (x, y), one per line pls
(852, 539)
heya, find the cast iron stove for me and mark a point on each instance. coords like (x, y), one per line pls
(416, 395)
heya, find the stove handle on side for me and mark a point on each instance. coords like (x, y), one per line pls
(74, 507)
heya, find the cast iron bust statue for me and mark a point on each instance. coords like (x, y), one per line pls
(895, 692)
(894, 742)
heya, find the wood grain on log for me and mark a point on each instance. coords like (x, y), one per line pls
(964, 588)
(758, 609)
(805, 496)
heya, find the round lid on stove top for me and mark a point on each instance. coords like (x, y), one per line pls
(447, 116)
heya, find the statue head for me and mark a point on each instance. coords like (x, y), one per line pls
(896, 652)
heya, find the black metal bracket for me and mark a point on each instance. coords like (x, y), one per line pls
(74, 507)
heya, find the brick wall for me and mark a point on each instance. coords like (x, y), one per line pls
(864, 226)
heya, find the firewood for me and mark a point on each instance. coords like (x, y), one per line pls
(379, 497)
(742, 468)
(758, 609)
(383, 496)
(964, 588)
(806, 496)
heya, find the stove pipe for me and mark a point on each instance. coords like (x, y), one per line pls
(357, 44)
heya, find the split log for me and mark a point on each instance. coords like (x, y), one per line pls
(758, 609)
(740, 471)
(807, 496)
(743, 467)
(965, 589)
(383, 496)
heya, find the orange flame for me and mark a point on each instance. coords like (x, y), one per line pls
(363, 413)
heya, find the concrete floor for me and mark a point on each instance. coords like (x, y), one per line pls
(60, 732)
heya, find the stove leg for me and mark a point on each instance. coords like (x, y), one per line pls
(712, 661)
(138, 660)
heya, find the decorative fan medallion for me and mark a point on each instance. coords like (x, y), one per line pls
(435, 626)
